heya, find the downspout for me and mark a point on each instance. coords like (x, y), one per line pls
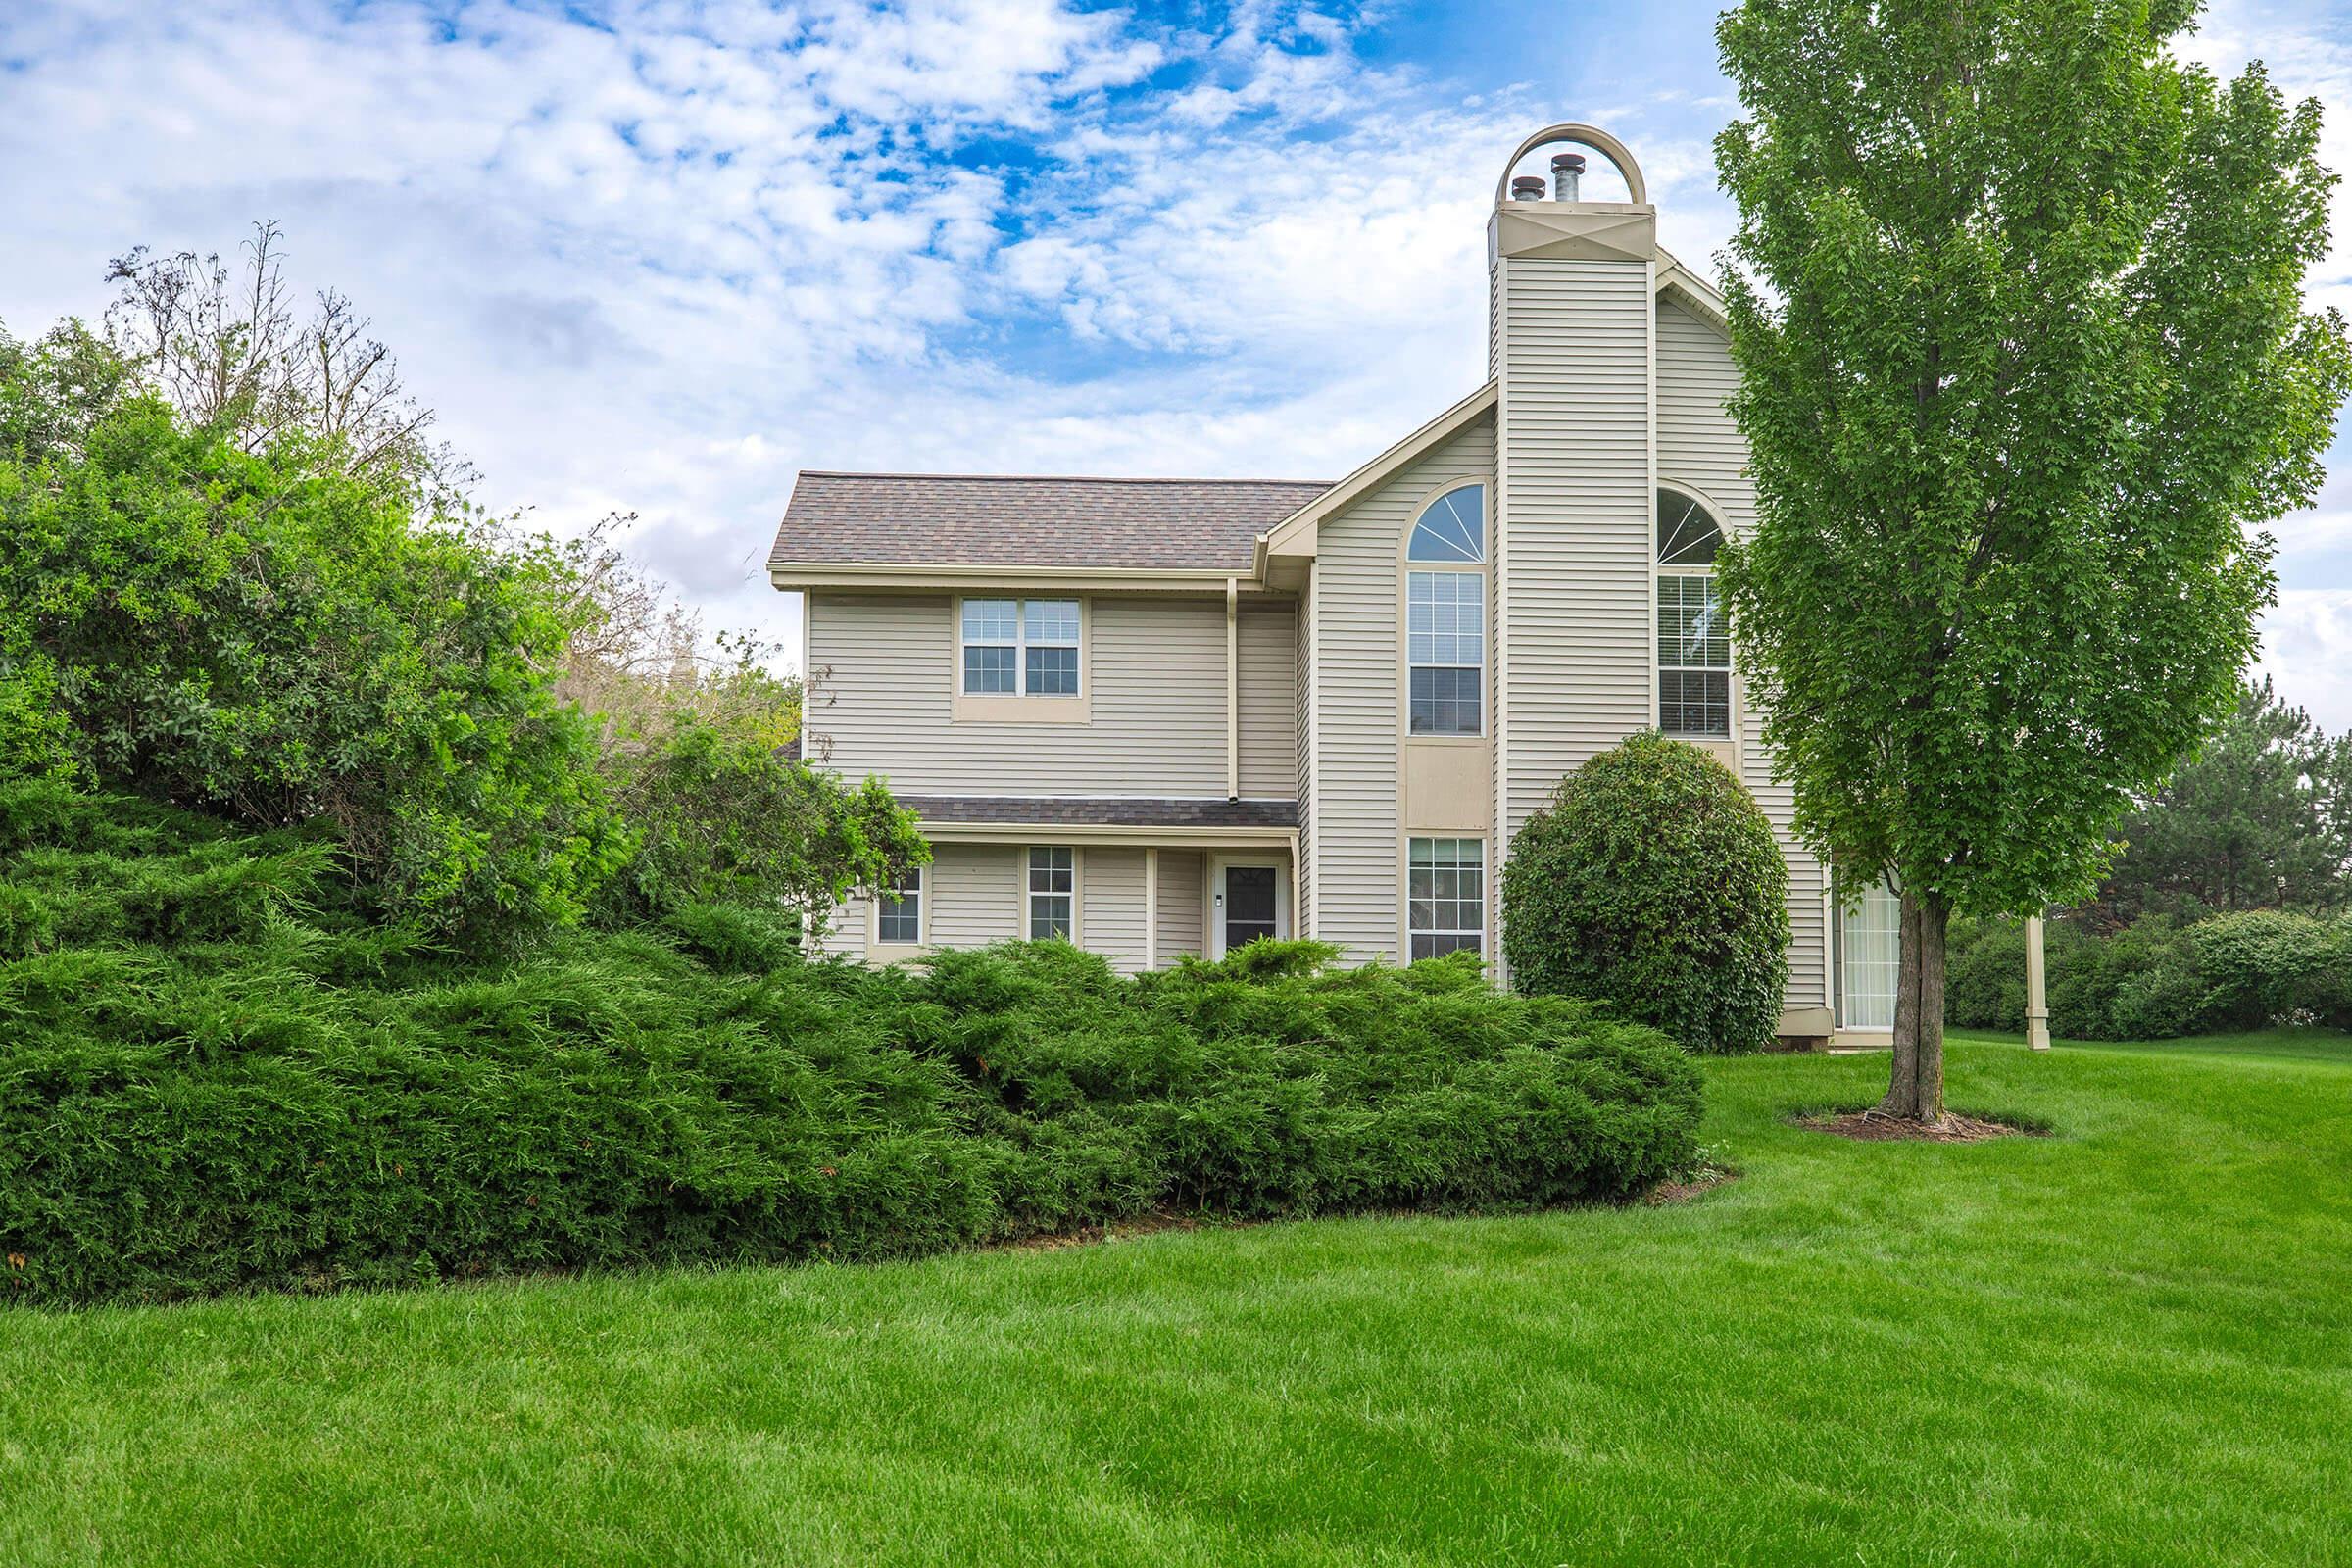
(1233, 688)
(1297, 928)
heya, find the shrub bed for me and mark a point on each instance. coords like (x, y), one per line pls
(213, 1076)
(2157, 978)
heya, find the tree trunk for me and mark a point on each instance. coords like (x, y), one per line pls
(1916, 1091)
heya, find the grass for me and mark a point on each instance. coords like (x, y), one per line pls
(2127, 1343)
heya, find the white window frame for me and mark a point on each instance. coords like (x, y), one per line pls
(914, 882)
(1021, 645)
(1661, 570)
(1883, 963)
(1031, 893)
(1411, 665)
(1486, 893)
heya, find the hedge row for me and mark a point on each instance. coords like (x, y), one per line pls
(2157, 979)
(210, 1081)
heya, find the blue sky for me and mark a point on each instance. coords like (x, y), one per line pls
(656, 255)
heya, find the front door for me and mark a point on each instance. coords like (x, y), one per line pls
(1248, 899)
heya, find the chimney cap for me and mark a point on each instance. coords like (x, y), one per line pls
(1575, 161)
(1527, 188)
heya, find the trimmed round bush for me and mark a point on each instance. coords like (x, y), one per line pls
(1650, 881)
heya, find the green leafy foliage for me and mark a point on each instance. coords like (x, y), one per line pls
(218, 1074)
(2015, 297)
(724, 815)
(1651, 881)
(2158, 978)
(495, 736)
(280, 642)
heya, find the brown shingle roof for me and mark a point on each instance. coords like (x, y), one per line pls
(944, 519)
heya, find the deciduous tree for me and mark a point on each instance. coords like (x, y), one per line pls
(2016, 296)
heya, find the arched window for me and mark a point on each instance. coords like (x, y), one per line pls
(1687, 534)
(1694, 642)
(1446, 616)
(1453, 528)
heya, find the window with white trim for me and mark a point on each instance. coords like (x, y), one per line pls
(1020, 647)
(1870, 950)
(1053, 891)
(898, 912)
(1451, 528)
(1445, 617)
(1694, 640)
(1445, 896)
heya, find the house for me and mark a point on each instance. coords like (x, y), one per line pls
(1166, 717)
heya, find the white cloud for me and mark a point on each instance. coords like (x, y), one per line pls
(2307, 649)
(655, 255)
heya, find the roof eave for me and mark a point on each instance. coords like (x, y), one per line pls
(1294, 535)
(1693, 292)
(948, 575)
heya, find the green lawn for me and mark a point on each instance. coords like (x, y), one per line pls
(2131, 1342)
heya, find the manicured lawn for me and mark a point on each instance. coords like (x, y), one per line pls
(2131, 1342)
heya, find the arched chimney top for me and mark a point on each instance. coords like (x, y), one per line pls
(1573, 134)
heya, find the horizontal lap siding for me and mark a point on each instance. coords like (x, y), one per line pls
(976, 893)
(1576, 552)
(885, 679)
(1357, 613)
(1269, 705)
(1110, 882)
(1699, 444)
(846, 936)
(1181, 879)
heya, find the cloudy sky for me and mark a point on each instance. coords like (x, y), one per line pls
(656, 255)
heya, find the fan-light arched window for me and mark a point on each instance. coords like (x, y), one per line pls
(1694, 641)
(1446, 616)
(1453, 528)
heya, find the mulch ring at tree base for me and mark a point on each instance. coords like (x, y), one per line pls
(1878, 1127)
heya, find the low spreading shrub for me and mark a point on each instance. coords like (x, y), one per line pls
(1651, 881)
(213, 1075)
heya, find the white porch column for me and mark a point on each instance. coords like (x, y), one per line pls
(1152, 908)
(2037, 1001)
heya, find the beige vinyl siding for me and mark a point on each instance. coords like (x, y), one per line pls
(1182, 876)
(1111, 882)
(1573, 564)
(846, 937)
(1700, 445)
(1358, 617)
(976, 894)
(1155, 669)
(1269, 705)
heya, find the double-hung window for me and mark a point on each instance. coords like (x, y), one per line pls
(1446, 901)
(898, 916)
(1020, 647)
(1053, 891)
(1694, 640)
(1446, 616)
